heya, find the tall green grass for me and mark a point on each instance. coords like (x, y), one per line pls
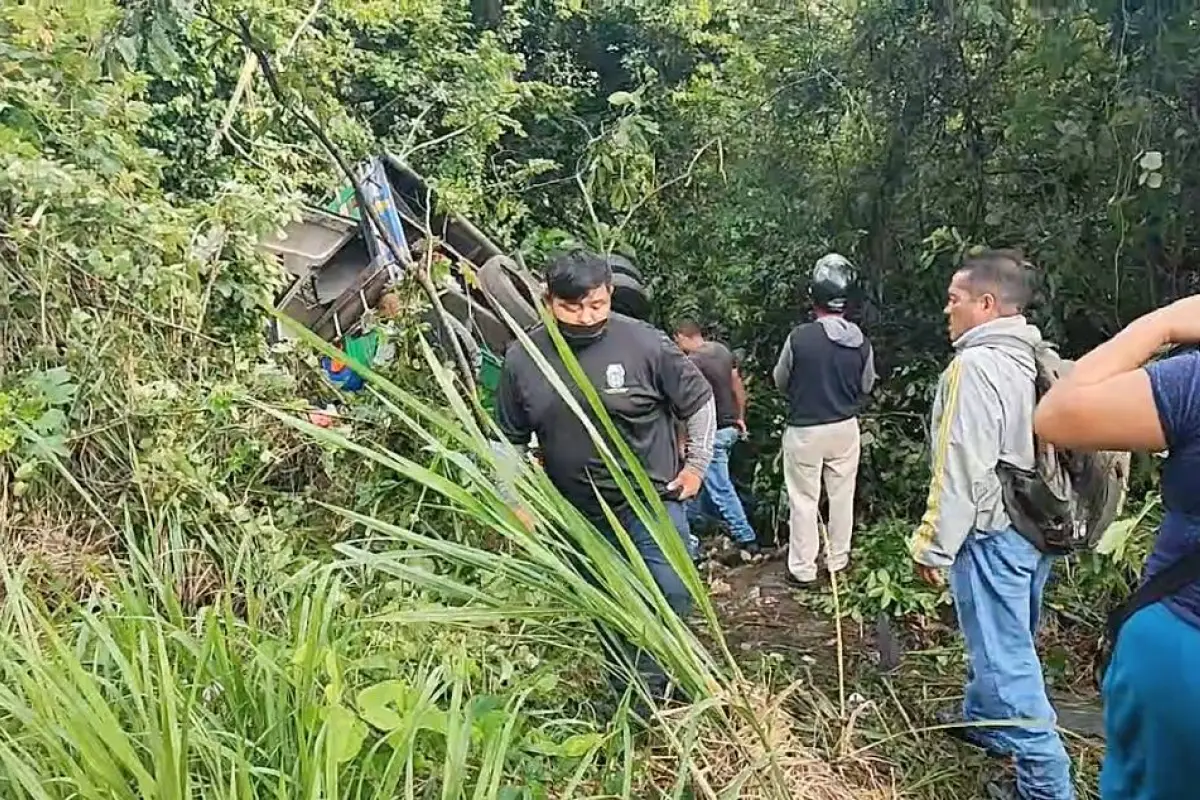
(417, 663)
(620, 593)
(308, 690)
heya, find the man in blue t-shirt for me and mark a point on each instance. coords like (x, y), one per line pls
(1110, 401)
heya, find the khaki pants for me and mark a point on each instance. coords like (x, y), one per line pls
(810, 454)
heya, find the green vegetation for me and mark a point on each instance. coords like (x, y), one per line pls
(206, 596)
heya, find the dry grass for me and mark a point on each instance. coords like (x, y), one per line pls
(66, 559)
(63, 558)
(760, 756)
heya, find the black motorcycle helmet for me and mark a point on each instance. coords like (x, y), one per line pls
(832, 278)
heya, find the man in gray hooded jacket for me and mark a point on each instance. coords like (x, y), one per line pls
(983, 415)
(826, 368)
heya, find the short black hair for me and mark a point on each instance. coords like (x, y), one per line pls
(1004, 273)
(572, 274)
(688, 327)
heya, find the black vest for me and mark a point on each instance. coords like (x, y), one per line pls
(826, 381)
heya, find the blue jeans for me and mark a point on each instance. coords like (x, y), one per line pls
(718, 495)
(668, 580)
(997, 582)
(1152, 709)
(664, 574)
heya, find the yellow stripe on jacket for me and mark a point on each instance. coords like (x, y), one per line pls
(927, 530)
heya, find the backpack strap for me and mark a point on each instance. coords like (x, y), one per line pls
(1163, 584)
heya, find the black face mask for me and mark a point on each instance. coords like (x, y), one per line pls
(580, 336)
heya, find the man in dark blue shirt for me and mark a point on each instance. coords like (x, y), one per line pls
(1110, 401)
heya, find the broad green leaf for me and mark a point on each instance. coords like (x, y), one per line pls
(345, 733)
(579, 744)
(547, 683)
(385, 704)
(571, 747)
(1113, 540)
(620, 99)
(432, 719)
(55, 386)
(127, 47)
(1116, 535)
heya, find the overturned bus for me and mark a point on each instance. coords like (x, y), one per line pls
(336, 267)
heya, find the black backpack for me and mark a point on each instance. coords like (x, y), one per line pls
(1069, 499)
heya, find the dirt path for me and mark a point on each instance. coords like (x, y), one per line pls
(762, 614)
(761, 611)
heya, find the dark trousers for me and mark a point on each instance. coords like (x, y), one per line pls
(620, 649)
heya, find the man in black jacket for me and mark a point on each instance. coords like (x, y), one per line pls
(645, 382)
(826, 368)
